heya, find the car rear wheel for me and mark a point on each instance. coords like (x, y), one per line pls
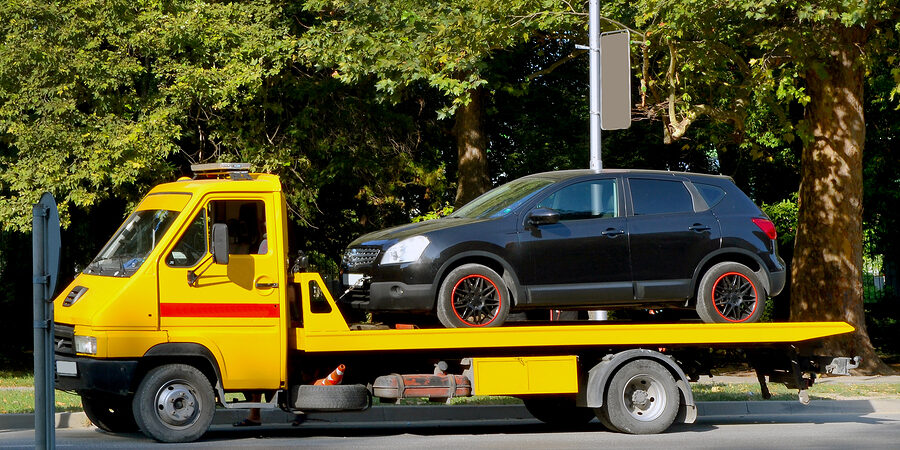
(730, 292)
(473, 295)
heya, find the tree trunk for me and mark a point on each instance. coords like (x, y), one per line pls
(471, 146)
(826, 274)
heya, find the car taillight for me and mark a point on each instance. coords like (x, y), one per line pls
(767, 227)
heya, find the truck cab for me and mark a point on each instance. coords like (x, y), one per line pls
(157, 294)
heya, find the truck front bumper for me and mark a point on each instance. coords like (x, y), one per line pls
(94, 375)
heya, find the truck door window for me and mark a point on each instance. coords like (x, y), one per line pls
(192, 246)
(246, 220)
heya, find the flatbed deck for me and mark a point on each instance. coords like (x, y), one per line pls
(328, 332)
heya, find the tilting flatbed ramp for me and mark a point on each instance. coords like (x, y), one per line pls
(327, 331)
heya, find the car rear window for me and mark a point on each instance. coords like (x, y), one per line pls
(659, 196)
(712, 194)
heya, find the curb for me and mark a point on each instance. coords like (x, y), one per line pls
(424, 413)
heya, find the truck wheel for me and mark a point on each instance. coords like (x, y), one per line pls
(642, 398)
(174, 403)
(109, 413)
(730, 292)
(473, 295)
(339, 397)
(557, 410)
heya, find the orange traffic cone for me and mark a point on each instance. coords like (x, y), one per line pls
(332, 378)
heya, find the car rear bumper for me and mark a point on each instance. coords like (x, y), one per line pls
(777, 281)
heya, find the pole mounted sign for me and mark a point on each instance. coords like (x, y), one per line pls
(610, 81)
(45, 270)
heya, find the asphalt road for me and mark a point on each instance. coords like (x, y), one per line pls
(874, 430)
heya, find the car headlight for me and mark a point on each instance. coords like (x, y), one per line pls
(86, 344)
(405, 251)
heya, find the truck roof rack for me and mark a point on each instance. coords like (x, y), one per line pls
(234, 171)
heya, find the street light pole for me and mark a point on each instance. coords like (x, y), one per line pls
(595, 89)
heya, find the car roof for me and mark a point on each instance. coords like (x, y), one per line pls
(560, 175)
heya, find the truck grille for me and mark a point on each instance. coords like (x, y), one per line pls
(360, 257)
(63, 339)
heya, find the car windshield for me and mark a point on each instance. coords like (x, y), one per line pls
(136, 238)
(502, 200)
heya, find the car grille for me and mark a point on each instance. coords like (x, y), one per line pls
(360, 257)
(63, 339)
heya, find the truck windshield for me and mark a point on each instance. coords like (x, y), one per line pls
(502, 200)
(136, 238)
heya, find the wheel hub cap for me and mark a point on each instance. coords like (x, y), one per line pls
(476, 300)
(176, 404)
(644, 398)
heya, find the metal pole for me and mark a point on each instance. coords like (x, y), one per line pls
(595, 90)
(44, 401)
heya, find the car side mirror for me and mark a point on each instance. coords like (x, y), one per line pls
(220, 243)
(543, 216)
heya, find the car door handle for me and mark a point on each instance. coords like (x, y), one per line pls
(266, 285)
(612, 232)
(699, 228)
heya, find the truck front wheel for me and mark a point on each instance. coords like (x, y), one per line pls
(174, 403)
(642, 398)
(109, 413)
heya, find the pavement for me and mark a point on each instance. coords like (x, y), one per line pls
(422, 413)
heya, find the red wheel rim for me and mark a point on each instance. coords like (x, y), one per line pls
(476, 300)
(734, 297)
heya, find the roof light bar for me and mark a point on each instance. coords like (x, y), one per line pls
(235, 171)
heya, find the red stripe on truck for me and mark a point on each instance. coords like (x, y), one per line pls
(218, 310)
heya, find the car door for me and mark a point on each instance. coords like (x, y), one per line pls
(671, 231)
(233, 309)
(583, 259)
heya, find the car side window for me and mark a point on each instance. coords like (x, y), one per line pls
(659, 196)
(712, 194)
(585, 200)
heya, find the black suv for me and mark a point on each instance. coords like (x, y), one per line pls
(572, 240)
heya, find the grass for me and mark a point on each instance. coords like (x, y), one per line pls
(830, 391)
(20, 401)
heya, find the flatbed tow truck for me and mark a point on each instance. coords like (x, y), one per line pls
(182, 308)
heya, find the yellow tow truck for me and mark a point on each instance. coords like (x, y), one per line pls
(195, 297)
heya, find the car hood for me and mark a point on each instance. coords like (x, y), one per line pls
(391, 235)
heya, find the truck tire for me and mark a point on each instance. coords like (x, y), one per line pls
(557, 410)
(174, 403)
(109, 413)
(642, 398)
(730, 292)
(473, 296)
(339, 397)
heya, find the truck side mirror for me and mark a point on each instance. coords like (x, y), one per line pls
(220, 243)
(543, 216)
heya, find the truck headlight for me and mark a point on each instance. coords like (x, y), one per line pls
(86, 344)
(405, 251)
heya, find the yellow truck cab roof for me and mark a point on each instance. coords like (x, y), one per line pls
(258, 182)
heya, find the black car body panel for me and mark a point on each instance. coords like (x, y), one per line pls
(648, 239)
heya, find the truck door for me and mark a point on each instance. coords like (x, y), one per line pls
(233, 309)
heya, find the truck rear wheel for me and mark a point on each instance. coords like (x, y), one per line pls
(642, 398)
(557, 410)
(109, 413)
(174, 403)
(473, 296)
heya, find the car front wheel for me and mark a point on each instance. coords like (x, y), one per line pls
(473, 295)
(730, 292)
